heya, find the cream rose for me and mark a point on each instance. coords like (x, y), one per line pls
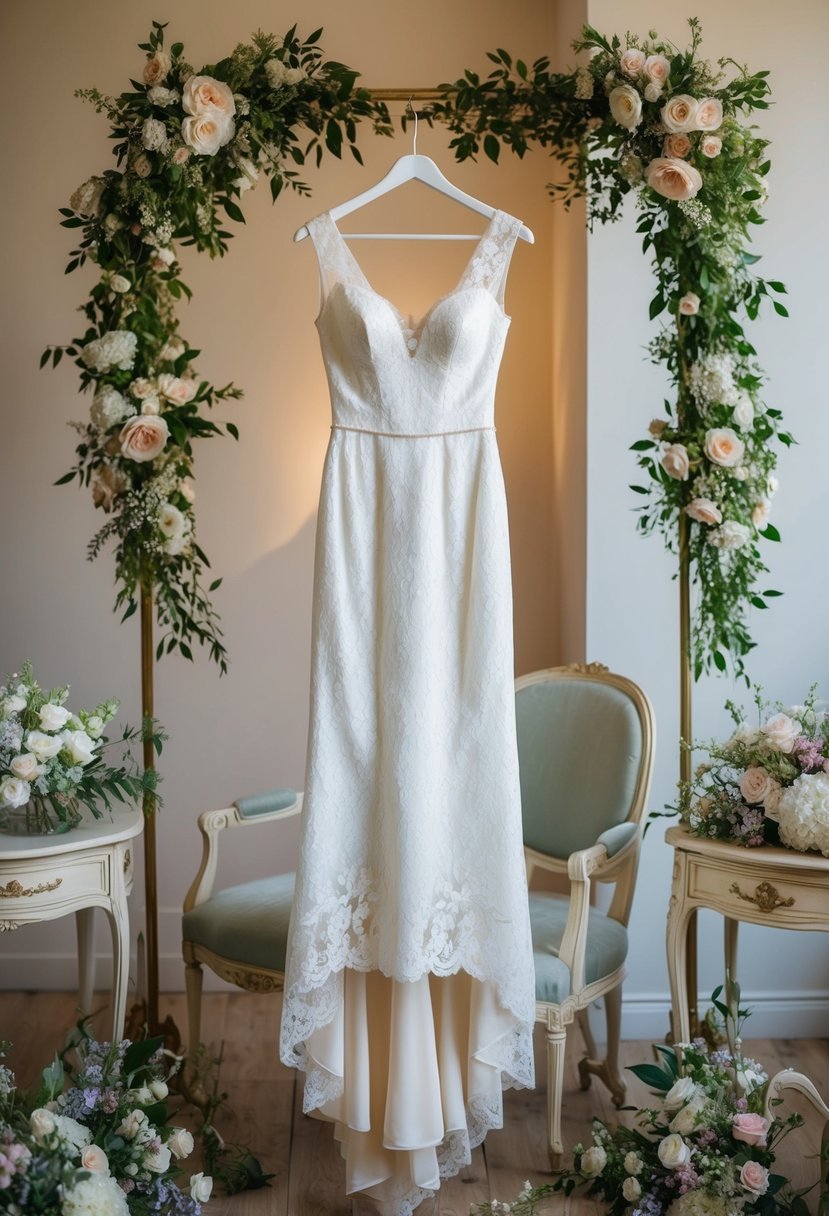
(686, 1119)
(158, 1161)
(676, 145)
(657, 69)
(632, 61)
(181, 156)
(201, 1187)
(14, 704)
(673, 1152)
(743, 412)
(593, 1161)
(711, 146)
(673, 178)
(43, 746)
(159, 1090)
(760, 512)
(709, 114)
(633, 1163)
(119, 283)
(94, 1159)
(632, 1189)
(25, 766)
(53, 717)
(750, 1129)
(178, 389)
(142, 165)
(156, 67)
(143, 438)
(679, 113)
(680, 1092)
(14, 792)
(780, 732)
(79, 745)
(42, 1123)
(180, 1143)
(626, 106)
(754, 1177)
(675, 461)
(756, 784)
(653, 91)
(132, 1124)
(205, 95)
(150, 405)
(724, 447)
(142, 388)
(206, 133)
(689, 304)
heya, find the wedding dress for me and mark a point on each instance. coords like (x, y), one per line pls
(409, 992)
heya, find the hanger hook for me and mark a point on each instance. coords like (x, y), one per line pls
(410, 107)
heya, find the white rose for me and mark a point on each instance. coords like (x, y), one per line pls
(158, 1161)
(205, 95)
(154, 135)
(142, 165)
(206, 133)
(142, 387)
(653, 91)
(729, 535)
(632, 61)
(686, 1119)
(673, 1152)
(709, 114)
(14, 792)
(119, 283)
(248, 176)
(675, 461)
(756, 784)
(743, 412)
(679, 113)
(657, 69)
(680, 1092)
(53, 717)
(144, 438)
(773, 484)
(171, 521)
(41, 1124)
(781, 731)
(745, 734)
(156, 68)
(171, 350)
(43, 746)
(689, 304)
(593, 1161)
(181, 1143)
(760, 513)
(143, 1095)
(704, 511)
(633, 1163)
(14, 704)
(724, 447)
(79, 745)
(94, 726)
(631, 1189)
(165, 255)
(178, 389)
(626, 106)
(151, 405)
(159, 1090)
(95, 1159)
(673, 178)
(131, 1124)
(200, 1187)
(711, 146)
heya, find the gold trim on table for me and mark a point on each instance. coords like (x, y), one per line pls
(16, 890)
(766, 897)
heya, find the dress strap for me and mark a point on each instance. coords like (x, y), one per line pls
(337, 263)
(489, 264)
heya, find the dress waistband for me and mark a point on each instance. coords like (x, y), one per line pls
(359, 430)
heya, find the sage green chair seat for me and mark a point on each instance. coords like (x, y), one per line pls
(585, 755)
(239, 932)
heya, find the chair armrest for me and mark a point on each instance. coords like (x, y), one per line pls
(259, 808)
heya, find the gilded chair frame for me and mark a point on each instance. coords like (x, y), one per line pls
(583, 868)
(212, 824)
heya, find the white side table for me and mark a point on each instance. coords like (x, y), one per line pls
(43, 877)
(764, 886)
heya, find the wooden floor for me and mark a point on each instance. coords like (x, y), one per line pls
(266, 1107)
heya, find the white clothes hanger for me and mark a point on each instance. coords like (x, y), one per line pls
(408, 168)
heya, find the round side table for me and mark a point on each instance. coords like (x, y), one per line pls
(43, 877)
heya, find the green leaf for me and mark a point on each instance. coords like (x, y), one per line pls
(642, 445)
(44, 358)
(215, 585)
(131, 608)
(139, 1053)
(770, 532)
(639, 489)
(767, 594)
(777, 286)
(653, 1076)
(719, 660)
(757, 602)
(232, 429)
(780, 308)
(657, 305)
(186, 651)
(233, 210)
(67, 477)
(492, 148)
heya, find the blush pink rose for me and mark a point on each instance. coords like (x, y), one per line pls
(204, 95)
(689, 304)
(657, 68)
(709, 114)
(751, 1129)
(676, 145)
(673, 178)
(679, 113)
(144, 437)
(711, 146)
(755, 786)
(675, 461)
(157, 67)
(177, 389)
(754, 1177)
(724, 447)
(632, 61)
(704, 511)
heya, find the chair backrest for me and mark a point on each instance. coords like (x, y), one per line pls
(585, 752)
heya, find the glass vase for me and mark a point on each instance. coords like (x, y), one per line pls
(41, 817)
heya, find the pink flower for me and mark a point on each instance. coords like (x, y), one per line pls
(676, 145)
(673, 178)
(675, 461)
(143, 438)
(709, 114)
(689, 304)
(751, 1129)
(711, 146)
(754, 1177)
(704, 511)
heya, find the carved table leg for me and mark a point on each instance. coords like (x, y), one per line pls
(85, 925)
(679, 916)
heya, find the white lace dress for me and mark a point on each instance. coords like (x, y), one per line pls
(409, 994)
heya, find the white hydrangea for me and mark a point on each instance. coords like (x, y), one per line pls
(803, 813)
(698, 1203)
(279, 75)
(160, 96)
(584, 83)
(114, 350)
(97, 1195)
(729, 535)
(712, 380)
(154, 135)
(109, 407)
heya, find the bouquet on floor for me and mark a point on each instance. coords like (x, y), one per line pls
(706, 1146)
(51, 759)
(101, 1147)
(768, 783)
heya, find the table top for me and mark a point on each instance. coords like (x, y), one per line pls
(738, 855)
(109, 829)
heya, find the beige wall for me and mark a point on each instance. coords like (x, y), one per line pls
(252, 316)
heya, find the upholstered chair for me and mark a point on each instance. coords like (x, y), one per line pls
(585, 750)
(240, 932)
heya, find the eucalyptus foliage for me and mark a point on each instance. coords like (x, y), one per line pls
(642, 117)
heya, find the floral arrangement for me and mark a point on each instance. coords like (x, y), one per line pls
(51, 757)
(704, 1148)
(644, 117)
(768, 783)
(101, 1147)
(188, 144)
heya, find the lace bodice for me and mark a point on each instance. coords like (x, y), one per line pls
(440, 375)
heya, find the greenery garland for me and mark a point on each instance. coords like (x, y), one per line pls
(646, 118)
(187, 146)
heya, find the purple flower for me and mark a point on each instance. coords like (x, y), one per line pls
(808, 753)
(648, 1205)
